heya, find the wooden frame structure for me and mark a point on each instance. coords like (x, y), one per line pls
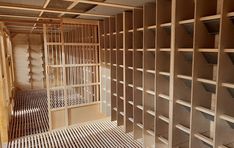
(172, 72)
(72, 70)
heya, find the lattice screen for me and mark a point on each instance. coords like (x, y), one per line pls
(72, 64)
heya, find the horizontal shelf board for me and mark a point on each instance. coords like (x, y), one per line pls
(129, 67)
(122, 98)
(151, 92)
(150, 71)
(165, 25)
(140, 107)
(139, 88)
(140, 29)
(223, 146)
(151, 112)
(164, 73)
(184, 103)
(131, 119)
(121, 82)
(130, 49)
(121, 66)
(121, 49)
(202, 80)
(229, 50)
(140, 125)
(184, 77)
(121, 32)
(204, 138)
(230, 14)
(115, 108)
(131, 30)
(130, 102)
(114, 49)
(114, 64)
(114, 94)
(215, 50)
(183, 128)
(151, 27)
(150, 49)
(130, 85)
(163, 96)
(114, 33)
(139, 49)
(185, 49)
(115, 80)
(151, 132)
(163, 139)
(205, 110)
(228, 85)
(139, 69)
(227, 118)
(121, 113)
(189, 21)
(211, 17)
(165, 49)
(163, 118)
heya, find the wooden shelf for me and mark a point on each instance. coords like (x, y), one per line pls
(162, 55)
(205, 110)
(151, 112)
(184, 77)
(204, 138)
(151, 27)
(130, 102)
(131, 119)
(163, 118)
(211, 17)
(151, 132)
(189, 21)
(163, 139)
(165, 25)
(165, 49)
(150, 71)
(227, 118)
(185, 49)
(184, 103)
(183, 128)
(140, 107)
(163, 96)
(214, 50)
(167, 74)
(151, 92)
(140, 125)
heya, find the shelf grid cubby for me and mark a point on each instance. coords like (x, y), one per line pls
(172, 81)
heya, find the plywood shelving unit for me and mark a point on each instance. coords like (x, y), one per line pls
(172, 73)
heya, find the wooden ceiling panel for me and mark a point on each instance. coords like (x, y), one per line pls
(25, 2)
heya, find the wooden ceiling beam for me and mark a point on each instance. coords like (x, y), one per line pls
(105, 4)
(28, 17)
(69, 8)
(33, 8)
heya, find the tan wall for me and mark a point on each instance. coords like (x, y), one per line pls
(28, 60)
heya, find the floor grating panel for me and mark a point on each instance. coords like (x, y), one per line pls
(29, 128)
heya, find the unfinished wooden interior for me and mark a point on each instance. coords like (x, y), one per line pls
(162, 70)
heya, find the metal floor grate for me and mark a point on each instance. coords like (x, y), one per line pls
(99, 134)
(29, 128)
(30, 114)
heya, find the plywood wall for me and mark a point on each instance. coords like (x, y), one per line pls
(28, 60)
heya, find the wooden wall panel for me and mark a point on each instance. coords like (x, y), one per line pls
(28, 59)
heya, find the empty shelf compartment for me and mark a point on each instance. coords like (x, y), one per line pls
(183, 128)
